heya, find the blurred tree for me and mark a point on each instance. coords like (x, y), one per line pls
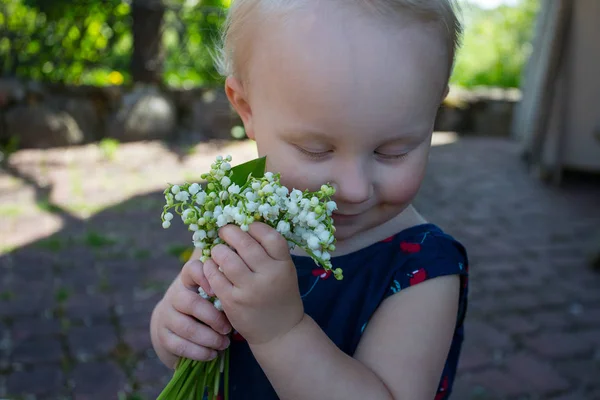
(147, 59)
(496, 44)
(86, 41)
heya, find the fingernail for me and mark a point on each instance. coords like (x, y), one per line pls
(226, 331)
(213, 355)
(226, 343)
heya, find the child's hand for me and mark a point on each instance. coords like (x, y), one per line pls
(186, 325)
(258, 287)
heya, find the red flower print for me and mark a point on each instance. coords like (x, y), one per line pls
(321, 273)
(417, 276)
(388, 239)
(407, 247)
(441, 393)
(237, 337)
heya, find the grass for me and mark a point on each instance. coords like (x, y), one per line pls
(11, 210)
(62, 294)
(109, 148)
(6, 295)
(46, 206)
(53, 244)
(98, 240)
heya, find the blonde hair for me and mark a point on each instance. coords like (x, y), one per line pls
(231, 54)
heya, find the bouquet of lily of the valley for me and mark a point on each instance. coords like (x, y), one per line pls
(242, 195)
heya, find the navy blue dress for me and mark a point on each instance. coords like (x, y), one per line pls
(343, 308)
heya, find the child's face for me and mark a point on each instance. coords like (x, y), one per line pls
(335, 98)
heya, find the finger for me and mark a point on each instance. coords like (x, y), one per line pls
(231, 264)
(181, 347)
(196, 332)
(246, 246)
(192, 276)
(190, 303)
(218, 281)
(270, 240)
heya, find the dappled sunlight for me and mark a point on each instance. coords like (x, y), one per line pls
(443, 138)
(80, 182)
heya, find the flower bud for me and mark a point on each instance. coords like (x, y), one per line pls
(175, 189)
(166, 224)
(194, 188)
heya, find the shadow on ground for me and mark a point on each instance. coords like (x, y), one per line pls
(75, 304)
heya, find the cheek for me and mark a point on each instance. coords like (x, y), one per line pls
(402, 185)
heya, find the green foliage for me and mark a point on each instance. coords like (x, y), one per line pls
(496, 44)
(191, 34)
(80, 42)
(91, 42)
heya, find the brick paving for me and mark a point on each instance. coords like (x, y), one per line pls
(84, 260)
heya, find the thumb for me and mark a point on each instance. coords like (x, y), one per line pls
(192, 276)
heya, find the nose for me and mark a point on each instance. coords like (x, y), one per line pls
(353, 184)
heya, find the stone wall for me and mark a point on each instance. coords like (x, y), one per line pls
(45, 115)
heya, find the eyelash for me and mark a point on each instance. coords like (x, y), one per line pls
(313, 155)
(322, 154)
(391, 157)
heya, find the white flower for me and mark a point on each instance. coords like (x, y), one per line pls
(182, 196)
(295, 196)
(202, 293)
(268, 189)
(168, 216)
(221, 221)
(282, 191)
(245, 227)
(251, 196)
(166, 224)
(218, 305)
(283, 227)
(219, 158)
(293, 208)
(187, 213)
(256, 186)
(225, 166)
(331, 206)
(269, 176)
(228, 158)
(175, 189)
(223, 195)
(194, 188)
(326, 256)
(313, 242)
(225, 182)
(314, 201)
(193, 227)
(252, 206)
(199, 245)
(201, 198)
(199, 235)
(234, 189)
(324, 236)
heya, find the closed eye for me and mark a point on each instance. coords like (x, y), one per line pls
(313, 154)
(390, 157)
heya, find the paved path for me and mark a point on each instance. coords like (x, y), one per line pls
(83, 261)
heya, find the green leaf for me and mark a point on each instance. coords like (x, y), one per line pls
(256, 168)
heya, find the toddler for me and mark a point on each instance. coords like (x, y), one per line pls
(345, 92)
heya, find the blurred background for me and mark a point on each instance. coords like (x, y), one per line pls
(102, 103)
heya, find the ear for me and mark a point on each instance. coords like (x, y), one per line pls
(238, 98)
